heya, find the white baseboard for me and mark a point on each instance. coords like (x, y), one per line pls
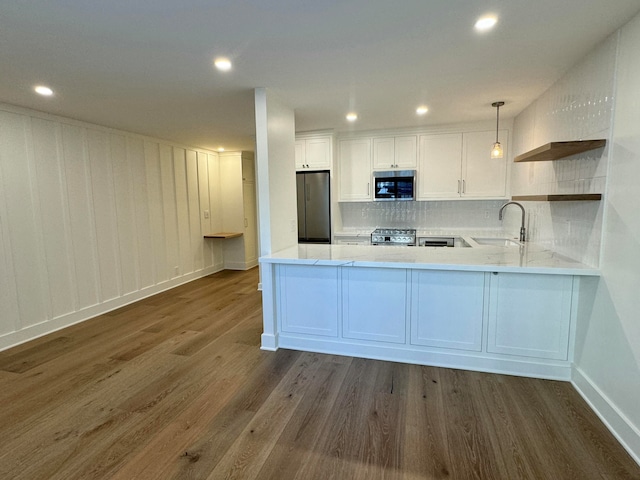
(269, 342)
(618, 424)
(46, 327)
(240, 265)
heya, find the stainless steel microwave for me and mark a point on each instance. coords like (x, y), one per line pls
(394, 185)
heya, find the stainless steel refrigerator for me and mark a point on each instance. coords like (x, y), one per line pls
(314, 207)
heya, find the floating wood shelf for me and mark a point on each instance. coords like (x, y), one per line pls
(559, 197)
(223, 235)
(559, 150)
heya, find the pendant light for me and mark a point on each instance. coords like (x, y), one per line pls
(496, 150)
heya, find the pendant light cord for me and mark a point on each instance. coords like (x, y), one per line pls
(497, 105)
(497, 121)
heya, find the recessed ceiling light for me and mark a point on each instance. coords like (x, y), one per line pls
(223, 64)
(421, 110)
(221, 149)
(352, 117)
(486, 23)
(42, 90)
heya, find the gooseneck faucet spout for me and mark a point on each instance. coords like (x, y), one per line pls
(522, 229)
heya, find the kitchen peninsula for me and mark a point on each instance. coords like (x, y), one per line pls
(489, 308)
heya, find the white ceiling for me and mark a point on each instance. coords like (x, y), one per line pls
(146, 65)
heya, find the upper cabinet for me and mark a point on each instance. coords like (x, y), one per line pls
(314, 153)
(354, 169)
(483, 176)
(458, 165)
(439, 168)
(395, 152)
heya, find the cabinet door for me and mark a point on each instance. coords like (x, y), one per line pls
(355, 169)
(482, 175)
(318, 153)
(406, 151)
(447, 309)
(529, 315)
(439, 169)
(384, 153)
(308, 299)
(300, 155)
(374, 304)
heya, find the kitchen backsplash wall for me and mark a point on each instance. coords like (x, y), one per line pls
(577, 107)
(444, 215)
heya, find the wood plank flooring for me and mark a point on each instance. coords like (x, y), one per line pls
(176, 387)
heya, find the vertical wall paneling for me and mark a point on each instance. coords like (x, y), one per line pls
(83, 236)
(205, 213)
(215, 205)
(156, 215)
(8, 293)
(182, 210)
(92, 219)
(137, 164)
(22, 214)
(47, 151)
(169, 211)
(195, 226)
(104, 209)
(125, 214)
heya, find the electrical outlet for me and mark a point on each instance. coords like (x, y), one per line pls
(206, 214)
(486, 214)
(176, 270)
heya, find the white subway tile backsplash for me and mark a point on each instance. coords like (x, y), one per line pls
(577, 107)
(453, 215)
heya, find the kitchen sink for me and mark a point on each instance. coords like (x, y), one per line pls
(496, 242)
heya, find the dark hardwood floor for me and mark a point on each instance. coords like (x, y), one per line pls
(176, 387)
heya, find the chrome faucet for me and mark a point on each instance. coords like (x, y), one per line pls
(522, 229)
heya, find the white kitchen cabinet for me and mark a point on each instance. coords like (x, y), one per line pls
(530, 315)
(447, 309)
(308, 302)
(458, 165)
(354, 167)
(374, 304)
(395, 152)
(483, 176)
(439, 167)
(314, 153)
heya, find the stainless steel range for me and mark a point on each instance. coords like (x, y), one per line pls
(393, 236)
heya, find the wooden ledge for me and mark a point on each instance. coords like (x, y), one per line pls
(223, 235)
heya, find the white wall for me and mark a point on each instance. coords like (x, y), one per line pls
(597, 98)
(577, 107)
(608, 345)
(277, 210)
(275, 168)
(93, 218)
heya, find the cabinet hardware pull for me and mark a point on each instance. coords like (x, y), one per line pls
(458, 186)
(464, 186)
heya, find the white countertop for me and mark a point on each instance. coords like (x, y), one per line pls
(528, 258)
